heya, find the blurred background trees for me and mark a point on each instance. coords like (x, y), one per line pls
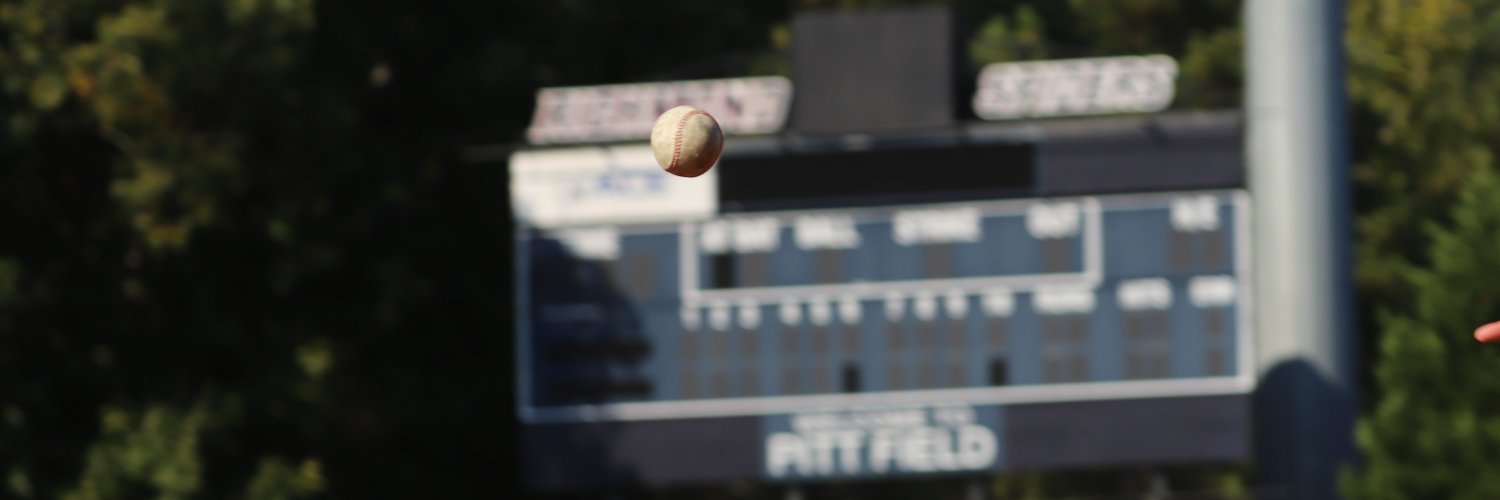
(1423, 81)
(241, 257)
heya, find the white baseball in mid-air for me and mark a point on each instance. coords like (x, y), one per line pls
(687, 141)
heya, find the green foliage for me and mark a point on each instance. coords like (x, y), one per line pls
(177, 152)
(241, 257)
(156, 450)
(1425, 122)
(277, 480)
(1001, 39)
(1436, 428)
(1426, 118)
(10, 279)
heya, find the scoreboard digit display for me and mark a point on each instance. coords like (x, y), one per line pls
(978, 301)
(663, 338)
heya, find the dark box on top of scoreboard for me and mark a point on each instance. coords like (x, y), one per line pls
(877, 70)
(876, 176)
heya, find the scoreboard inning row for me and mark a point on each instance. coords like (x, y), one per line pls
(989, 301)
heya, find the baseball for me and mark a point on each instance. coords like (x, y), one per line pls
(687, 141)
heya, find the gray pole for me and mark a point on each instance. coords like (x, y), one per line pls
(1297, 153)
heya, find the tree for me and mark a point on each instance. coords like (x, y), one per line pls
(1436, 429)
(1424, 122)
(240, 255)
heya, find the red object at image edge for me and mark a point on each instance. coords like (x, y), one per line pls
(1488, 333)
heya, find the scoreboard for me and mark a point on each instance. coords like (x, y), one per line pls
(1001, 301)
(1074, 294)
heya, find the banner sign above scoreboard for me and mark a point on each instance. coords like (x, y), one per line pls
(624, 112)
(1075, 87)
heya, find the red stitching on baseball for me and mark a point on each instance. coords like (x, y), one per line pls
(677, 141)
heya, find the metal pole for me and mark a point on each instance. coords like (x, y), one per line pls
(1298, 159)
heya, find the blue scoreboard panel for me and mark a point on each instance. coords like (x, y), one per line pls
(993, 302)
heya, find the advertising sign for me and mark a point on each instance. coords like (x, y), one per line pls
(1071, 87)
(600, 185)
(604, 113)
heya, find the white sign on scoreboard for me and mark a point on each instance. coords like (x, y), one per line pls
(756, 105)
(870, 441)
(604, 185)
(1073, 87)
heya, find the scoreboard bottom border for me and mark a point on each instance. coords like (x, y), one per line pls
(1023, 394)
